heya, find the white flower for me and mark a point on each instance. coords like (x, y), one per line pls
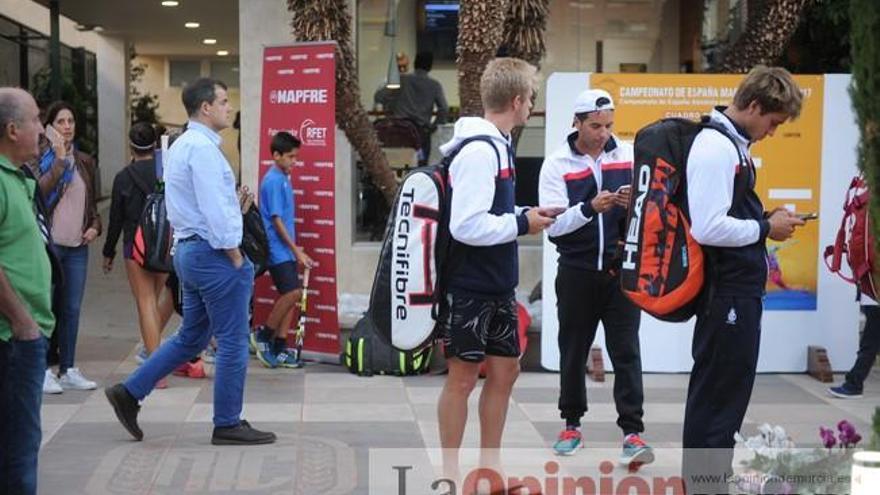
(771, 442)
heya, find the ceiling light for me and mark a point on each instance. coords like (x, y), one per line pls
(209, 41)
(192, 25)
(89, 27)
(170, 3)
(222, 53)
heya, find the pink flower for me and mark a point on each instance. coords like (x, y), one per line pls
(848, 436)
(828, 439)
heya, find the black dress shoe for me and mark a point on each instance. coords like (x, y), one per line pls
(126, 408)
(241, 434)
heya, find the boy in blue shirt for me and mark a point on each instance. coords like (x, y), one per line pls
(277, 210)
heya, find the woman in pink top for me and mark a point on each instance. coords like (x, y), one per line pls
(67, 181)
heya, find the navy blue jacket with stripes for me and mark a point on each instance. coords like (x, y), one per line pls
(571, 180)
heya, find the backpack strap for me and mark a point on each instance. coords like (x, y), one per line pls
(160, 180)
(705, 304)
(447, 161)
(454, 249)
(707, 123)
(138, 182)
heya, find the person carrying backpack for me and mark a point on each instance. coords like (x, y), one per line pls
(480, 321)
(588, 178)
(729, 222)
(131, 186)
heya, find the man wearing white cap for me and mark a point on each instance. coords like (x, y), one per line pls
(589, 177)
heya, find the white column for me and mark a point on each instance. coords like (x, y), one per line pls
(260, 23)
(112, 60)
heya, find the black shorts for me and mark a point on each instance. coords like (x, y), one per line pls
(285, 277)
(474, 328)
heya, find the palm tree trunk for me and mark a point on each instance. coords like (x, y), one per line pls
(766, 36)
(524, 37)
(524, 29)
(324, 20)
(480, 32)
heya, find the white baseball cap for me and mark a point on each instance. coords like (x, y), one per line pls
(593, 100)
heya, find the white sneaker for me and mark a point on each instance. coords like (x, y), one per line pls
(74, 380)
(141, 355)
(50, 384)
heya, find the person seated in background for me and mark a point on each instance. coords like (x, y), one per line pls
(419, 94)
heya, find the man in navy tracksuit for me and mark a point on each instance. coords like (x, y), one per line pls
(480, 323)
(729, 221)
(588, 178)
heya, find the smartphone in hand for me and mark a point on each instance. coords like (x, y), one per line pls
(552, 211)
(53, 136)
(624, 189)
(808, 216)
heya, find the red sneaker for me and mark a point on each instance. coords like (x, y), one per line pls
(182, 370)
(191, 370)
(197, 369)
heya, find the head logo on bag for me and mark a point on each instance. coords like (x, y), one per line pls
(409, 281)
(663, 268)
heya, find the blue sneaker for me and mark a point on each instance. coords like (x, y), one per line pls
(570, 440)
(636, 452)
(845, 391)
(252, 342)
(287, 358)
(263, 348)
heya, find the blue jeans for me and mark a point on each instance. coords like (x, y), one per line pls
(22, 366)
(216, 296)
(75, 265)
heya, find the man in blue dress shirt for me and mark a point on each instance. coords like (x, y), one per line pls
(217, 279)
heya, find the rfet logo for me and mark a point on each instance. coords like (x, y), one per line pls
(312, 135)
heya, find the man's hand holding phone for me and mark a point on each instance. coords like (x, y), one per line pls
(552, 211)
(621, 197)
(808, 216)
(782, 224)
(538, 221)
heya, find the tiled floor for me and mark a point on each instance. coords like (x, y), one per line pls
(328, 420)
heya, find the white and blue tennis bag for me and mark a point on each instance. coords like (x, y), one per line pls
(409, 288)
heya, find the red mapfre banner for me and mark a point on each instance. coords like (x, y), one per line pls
(299, 96)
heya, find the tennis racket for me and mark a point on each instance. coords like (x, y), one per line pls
(301, 324)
